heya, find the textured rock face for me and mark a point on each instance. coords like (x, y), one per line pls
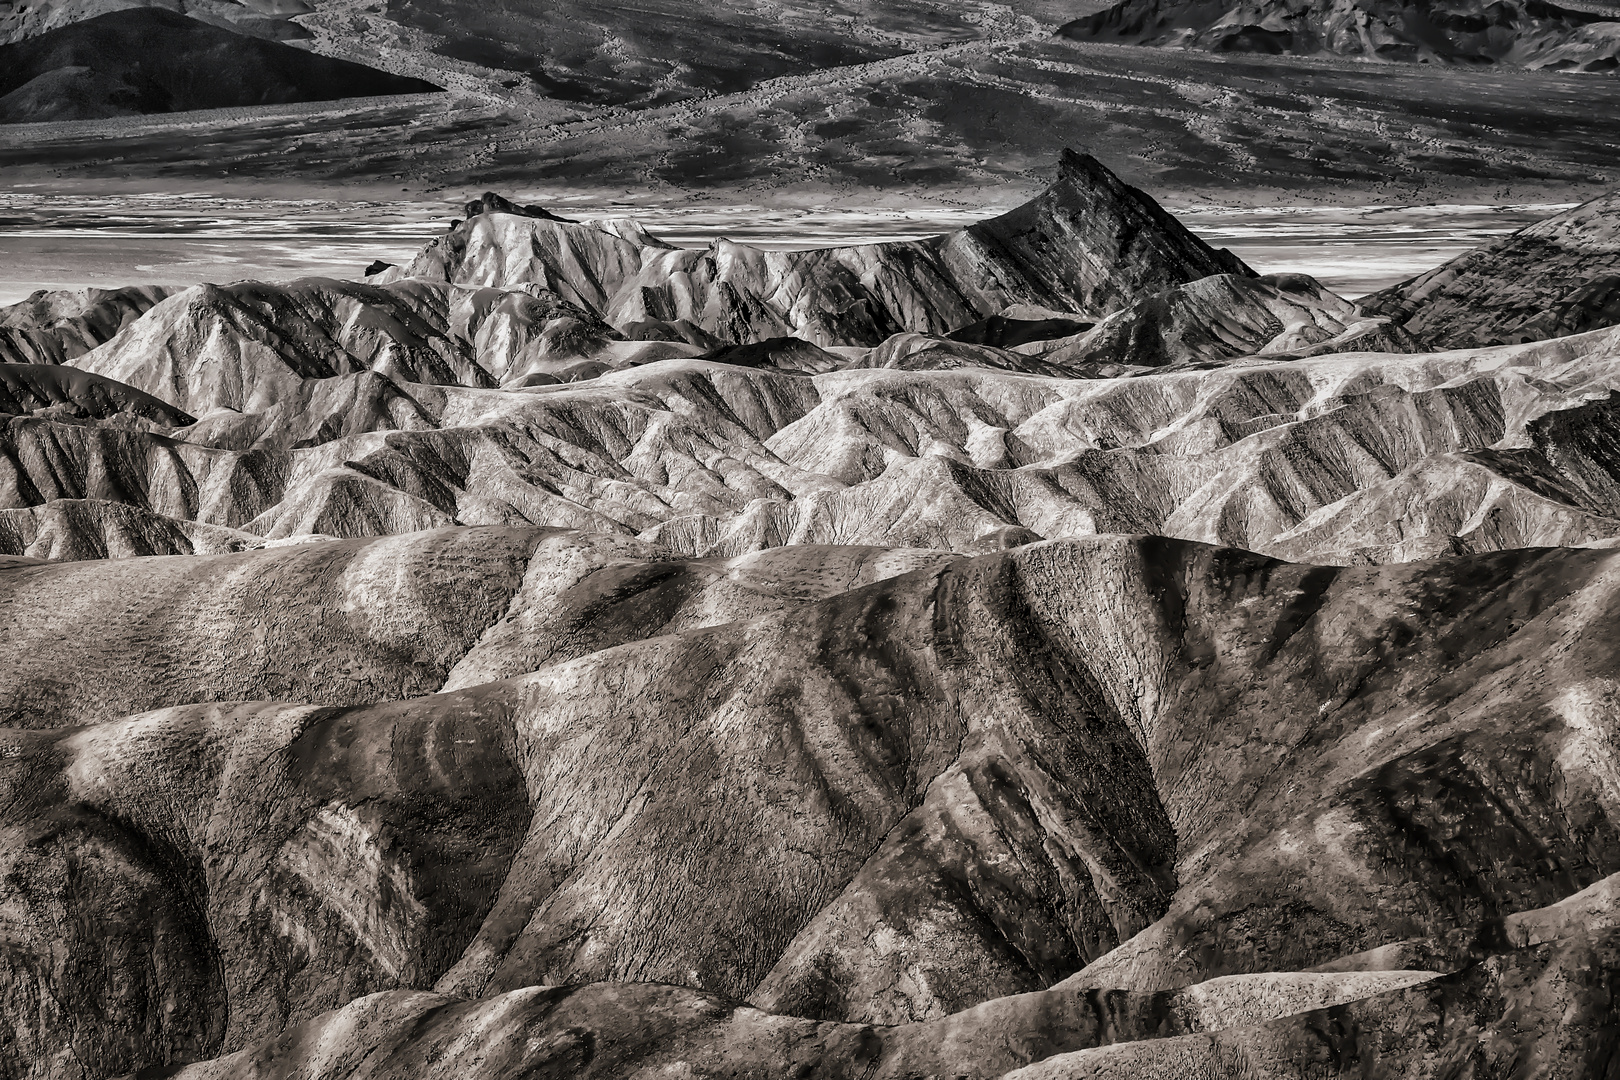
(1109, 797)
(1084, 246)
(1557, 277)
(1522, 33)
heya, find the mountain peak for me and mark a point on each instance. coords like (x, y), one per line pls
(1088, 245)
(1091, 243)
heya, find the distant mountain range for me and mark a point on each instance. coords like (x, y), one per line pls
(1523, 33)
(818, 100)
(150, 60)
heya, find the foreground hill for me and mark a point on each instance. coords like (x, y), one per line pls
(1105, 807)
(150, 60)
(1521, 33)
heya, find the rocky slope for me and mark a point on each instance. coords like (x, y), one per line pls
(1096, 807)
(1521, 33)
(573, 656)
(149, 60)
(1557, 277)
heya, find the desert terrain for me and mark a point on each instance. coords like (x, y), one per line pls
(912, 542)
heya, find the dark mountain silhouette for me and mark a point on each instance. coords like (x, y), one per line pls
(149, 60)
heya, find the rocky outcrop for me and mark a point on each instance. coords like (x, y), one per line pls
(1006, 331)
(1521, 33)
(1088, 245)
(1017, 809)
(1557, 277)
(493, 203)
(144, 60)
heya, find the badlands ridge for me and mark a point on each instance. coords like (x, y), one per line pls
(1045, 650)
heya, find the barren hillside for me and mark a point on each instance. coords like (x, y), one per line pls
(1044, 650)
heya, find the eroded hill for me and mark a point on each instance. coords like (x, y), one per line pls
(570, 655)
(1100, 804)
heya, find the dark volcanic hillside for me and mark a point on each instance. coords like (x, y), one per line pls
(149, 60)
(574, 656)
(1521, 33)
(271, 19)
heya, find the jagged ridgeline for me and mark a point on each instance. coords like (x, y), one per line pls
(571, 655)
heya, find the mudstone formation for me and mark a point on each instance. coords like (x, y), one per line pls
(1048, 650)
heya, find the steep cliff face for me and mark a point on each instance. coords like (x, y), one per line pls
(1520, 33)
(1111, 796)
(1085, 245)
(1557, 277)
